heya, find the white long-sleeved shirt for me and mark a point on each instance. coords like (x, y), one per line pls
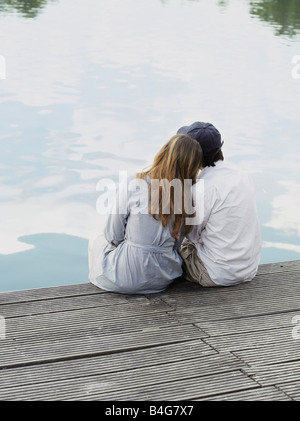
(228, 239)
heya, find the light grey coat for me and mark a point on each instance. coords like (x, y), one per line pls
(136, 254)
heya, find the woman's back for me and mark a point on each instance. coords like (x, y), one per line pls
(146, 260)
(138, 252)
(141, 227)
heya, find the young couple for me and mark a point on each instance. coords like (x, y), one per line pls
(145, 251)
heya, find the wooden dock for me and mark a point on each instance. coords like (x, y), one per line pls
(187, 343)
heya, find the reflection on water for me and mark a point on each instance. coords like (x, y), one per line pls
(283, 15)
(56, 259)
(109, 86)
(26, 8)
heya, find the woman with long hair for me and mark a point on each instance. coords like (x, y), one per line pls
(138, 252)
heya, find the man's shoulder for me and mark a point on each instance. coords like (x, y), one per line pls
(221, 179)
(221, 171)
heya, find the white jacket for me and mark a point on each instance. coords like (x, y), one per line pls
(228, 239)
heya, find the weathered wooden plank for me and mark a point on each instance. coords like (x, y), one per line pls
(110, 363)
(279, 267)
(247, 323)
(78, 342)
(127, 316)
(248, 340)
(69, 303)
(72, 345)
(275, 373)
(187, 389)
(49, 293)
(278, 352)
(197, 352)
(291, 389)
(219, 312)
(260, 286)
(172, 381)
(259, 394)
(235, 302)
(265, 282)
(107, 326)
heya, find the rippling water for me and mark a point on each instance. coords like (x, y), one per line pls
(89, 87)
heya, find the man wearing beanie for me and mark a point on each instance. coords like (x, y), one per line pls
(224, 249)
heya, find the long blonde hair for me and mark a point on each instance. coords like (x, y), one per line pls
(179, 159)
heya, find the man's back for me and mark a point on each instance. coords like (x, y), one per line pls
(228, 241)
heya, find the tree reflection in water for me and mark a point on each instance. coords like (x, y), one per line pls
(26, 8)
(283, 15)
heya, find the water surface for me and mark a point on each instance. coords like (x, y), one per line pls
(93, 87)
